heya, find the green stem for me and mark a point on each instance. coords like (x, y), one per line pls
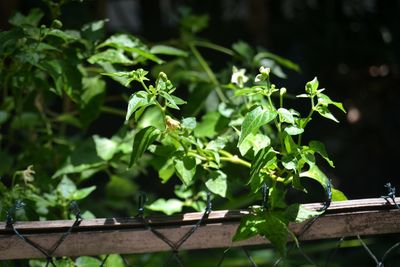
(113, 111)
(277, 123)
(145, 86)
(214, 47)
(233, 159)
(209, 72)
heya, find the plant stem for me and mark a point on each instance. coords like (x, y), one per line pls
(234, 159)
(145, 86)
(113, 111)
(209, 72)
(214, 47)
(277, 123)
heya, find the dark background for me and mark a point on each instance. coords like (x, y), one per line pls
(351, 46)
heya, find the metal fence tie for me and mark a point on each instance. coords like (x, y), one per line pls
(264, 192)
(391, 194)
(328, 193)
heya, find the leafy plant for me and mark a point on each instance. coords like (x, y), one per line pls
(200, 151)
(200, 128)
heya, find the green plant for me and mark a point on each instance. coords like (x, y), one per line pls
(201, 129)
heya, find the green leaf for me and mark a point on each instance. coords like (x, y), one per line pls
(194, 23)
(338, 195)
(248, 227)
(114, 260)
(312, 87)
(128, 76)
(208, 125)
(285, 116)
(66, 188)
(315, 173)
(145, 54)
(289, 162)
(143, 139)
(105, 148)
(256, 142)
(319, 148)
(94, 31)
(4, 115)
(265, 158)
(254, 120)
(66, 36)
(324, 112)
(119, 188)
(299, 213)
(136, 101)
(281, 61)
(244, 50)
(168, 50)
(290, 145)
(185, 168)
(122, 41)
(276, 231)
(293, 130)
(167, 170)
(131, 44)
(110, 55)
(217, 183)
(218, 143)
(325, 101)
(170, 100)
(169, 206)
(189, 123)
(86, 261)
(82, 193)
(152, 116)
(277, 195)
(32, 19)
(91, 99)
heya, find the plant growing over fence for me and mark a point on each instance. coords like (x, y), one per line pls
(226, 131)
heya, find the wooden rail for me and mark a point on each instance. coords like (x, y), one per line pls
(128, 235)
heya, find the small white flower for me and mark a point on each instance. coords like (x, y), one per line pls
(238, 76)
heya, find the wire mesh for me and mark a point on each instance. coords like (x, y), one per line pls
(298, 252)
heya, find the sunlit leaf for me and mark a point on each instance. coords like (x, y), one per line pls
(315, 173)
(338, 195)
(110, 55)
(138, 100)
(168, 50)
(143, 139)
(105, 148)
(217, 183)
(185, 168)
(169, 206)
(85, 261)
(285, 115)
(319, 148)
(254, 120)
